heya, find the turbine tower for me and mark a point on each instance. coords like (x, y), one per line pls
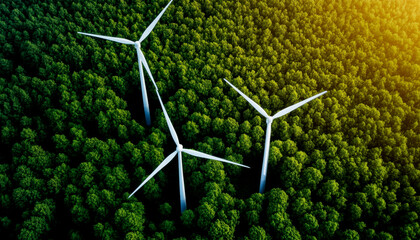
(140, 57)
(179, 150)
(268, 131)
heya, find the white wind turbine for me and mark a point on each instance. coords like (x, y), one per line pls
(268, 131)
(179, 150)
(140, 57)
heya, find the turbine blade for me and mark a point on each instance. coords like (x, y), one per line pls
(146, 66)
(254, 104)
(168, 121)
(114, 39)
(153, 24)
(297, 105)
(161, 165)
(207, 156)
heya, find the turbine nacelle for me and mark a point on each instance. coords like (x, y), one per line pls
(269, 119)
(137, 44)
(179, 148)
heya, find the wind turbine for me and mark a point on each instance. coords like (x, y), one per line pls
(179, 150)
(268, 131)
(140, 57)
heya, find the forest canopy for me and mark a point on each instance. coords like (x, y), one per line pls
(74, 143)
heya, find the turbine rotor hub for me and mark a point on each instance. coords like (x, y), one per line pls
(137, 44)
(179, 148)
(269, 120)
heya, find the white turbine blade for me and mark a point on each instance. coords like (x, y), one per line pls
(161, 165)
(182, 196)
(146, 66)
(265, 157)
(207, 156)
(143, 91)
(153, 24)
(254, 104)
(297, 105)
(115, 39)
(168, 121)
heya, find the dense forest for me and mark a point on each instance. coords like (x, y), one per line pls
(74, 143)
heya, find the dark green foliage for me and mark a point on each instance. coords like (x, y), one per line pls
(73, 142)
